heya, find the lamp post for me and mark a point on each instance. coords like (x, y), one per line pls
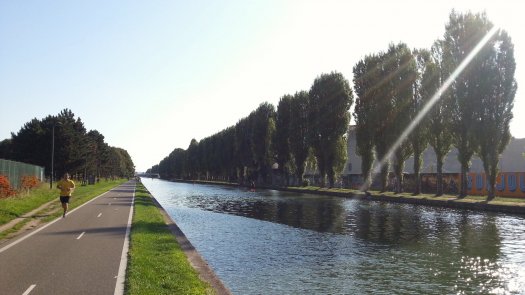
(53, 154)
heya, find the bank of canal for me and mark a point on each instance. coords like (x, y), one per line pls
(272, 242)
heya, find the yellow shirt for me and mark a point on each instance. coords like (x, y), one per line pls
(66, 187)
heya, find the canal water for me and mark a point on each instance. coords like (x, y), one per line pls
(271, 242)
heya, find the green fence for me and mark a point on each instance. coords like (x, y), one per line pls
(16, 170)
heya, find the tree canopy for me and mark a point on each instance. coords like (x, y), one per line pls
(76, 151)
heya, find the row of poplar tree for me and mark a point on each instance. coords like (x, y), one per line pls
(391, 87)
(76, 150)
(306, 124)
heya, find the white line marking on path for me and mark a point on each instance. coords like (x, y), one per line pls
(121, 276)
(100, 214)
(29, 289)
(81, 235)
(45, 226)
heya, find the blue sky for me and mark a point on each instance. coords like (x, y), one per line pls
(152, 75)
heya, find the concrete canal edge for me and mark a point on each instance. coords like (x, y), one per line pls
(205, 271)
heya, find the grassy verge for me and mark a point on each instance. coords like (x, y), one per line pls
(157, 264)
(13, 207)
(505, 201)
(467, 199)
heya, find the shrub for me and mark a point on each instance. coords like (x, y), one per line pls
(29, 182)
(306, 182)
(5, 187)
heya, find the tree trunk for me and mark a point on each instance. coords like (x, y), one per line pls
(491, 178)
(384, 177)
(464, 184)
(322, 180)
(331, 177)
(366, 166)
(398, 170)
(439, 166)
(322, 174)
(300, 174)
(417, 176)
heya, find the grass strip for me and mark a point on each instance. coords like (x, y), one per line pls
(469, 198)
(157, 264)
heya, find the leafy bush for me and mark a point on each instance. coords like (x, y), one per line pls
(306, 182)
(5, 187)
(29, 182)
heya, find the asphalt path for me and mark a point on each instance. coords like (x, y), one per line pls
(84, 253)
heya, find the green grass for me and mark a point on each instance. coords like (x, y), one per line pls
(13, 207)
(467, 199)
(157, 265)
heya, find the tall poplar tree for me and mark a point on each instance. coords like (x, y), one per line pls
(419, 137)
(402, 66)
(263, 128)
(282, 134)
(439, 127)
(385, 132)
(299, 145)
(366, 82)
(330, 101)
(463, 32)
(494, 67)
(192, 160)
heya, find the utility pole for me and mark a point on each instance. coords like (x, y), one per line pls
(52, 156)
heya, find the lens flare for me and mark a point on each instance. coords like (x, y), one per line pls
(433, 100)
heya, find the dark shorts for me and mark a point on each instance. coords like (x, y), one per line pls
(64, 200)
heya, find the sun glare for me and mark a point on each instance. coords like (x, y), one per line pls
(433, 100)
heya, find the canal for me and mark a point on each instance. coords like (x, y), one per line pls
(272, 242)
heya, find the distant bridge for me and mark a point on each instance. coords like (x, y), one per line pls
(149, 175)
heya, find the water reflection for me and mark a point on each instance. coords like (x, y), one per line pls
(301, 211)
(293, 243)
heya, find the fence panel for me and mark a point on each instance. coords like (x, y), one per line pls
(16, 170)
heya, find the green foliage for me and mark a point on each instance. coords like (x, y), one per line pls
(438, 119)
(384, 133)
(330, 100)
(366, 84)
(496, 92)
(473, 91)
(305, 183)
(263, 129)
(299, 132)
(5, 149)
(241, 152)
(384, 85)
(283, 127)
(402, 81)
(192, 167)
(75, 150)
(420, 136)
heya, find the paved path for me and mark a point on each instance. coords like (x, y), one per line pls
(80, 254)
